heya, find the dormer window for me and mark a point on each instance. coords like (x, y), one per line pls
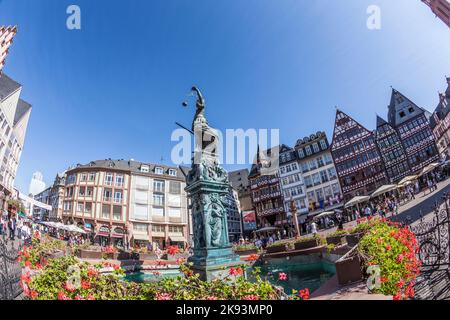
(411, 110)
(172, 172)
(402, 114)
(159, 170)
(145, 169)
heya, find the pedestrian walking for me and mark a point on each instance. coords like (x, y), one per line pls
(12, 224)
(314, 228)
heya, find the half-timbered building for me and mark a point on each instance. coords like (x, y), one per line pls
(413, 126)
(392, 152)
(356, 157)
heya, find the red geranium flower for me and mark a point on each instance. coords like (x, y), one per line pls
(25, 277)
(235, 271)
(173, 250)
(163, 296)
(85, 284)
(69, 287)
(282, 276)
(304, 294)
(62, 296)
(33, 294)
(251, 297)
(92, 272)
(253, 257)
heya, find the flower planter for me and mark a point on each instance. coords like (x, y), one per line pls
(276, 249)
(353, 239)
(348, 268)
(336, 240)
(88, 254)
(303, 245)
(246, 252)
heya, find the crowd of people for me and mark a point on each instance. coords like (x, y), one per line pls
(13, 227)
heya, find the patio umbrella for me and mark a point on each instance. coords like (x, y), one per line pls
(267, 229)
(357, 200)
(324, 214)
(429, 168)
(407, 179)
(73, 228)
(383, 189)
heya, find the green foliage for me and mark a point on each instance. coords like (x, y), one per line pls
(393, 250)
(67, 278)
(338, 233)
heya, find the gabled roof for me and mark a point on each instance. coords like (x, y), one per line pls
(21, 110)
(381, 122)
(400, 103)
(7, 86)
(342, 116)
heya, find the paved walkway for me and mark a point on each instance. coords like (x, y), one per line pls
(357, 291)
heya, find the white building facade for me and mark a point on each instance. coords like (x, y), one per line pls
(319, 173)
(292, 183)
(14, 116)
(158, 206)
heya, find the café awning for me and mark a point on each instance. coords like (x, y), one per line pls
(357, 200)
(383, 189)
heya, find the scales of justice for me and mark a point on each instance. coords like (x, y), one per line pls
(207, 186)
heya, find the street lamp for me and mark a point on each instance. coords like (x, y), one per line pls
(294, 214)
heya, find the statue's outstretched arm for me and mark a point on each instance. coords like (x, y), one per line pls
(200, 99)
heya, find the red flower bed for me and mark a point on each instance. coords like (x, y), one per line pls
(393, 249)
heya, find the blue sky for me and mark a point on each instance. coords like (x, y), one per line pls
(114, 88)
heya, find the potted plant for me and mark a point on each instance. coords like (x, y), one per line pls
(246, 249)
(307, 243)
(336, 237)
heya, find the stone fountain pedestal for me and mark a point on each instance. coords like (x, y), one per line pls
(211, 259)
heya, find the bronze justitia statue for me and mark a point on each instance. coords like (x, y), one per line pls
(207, 186)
